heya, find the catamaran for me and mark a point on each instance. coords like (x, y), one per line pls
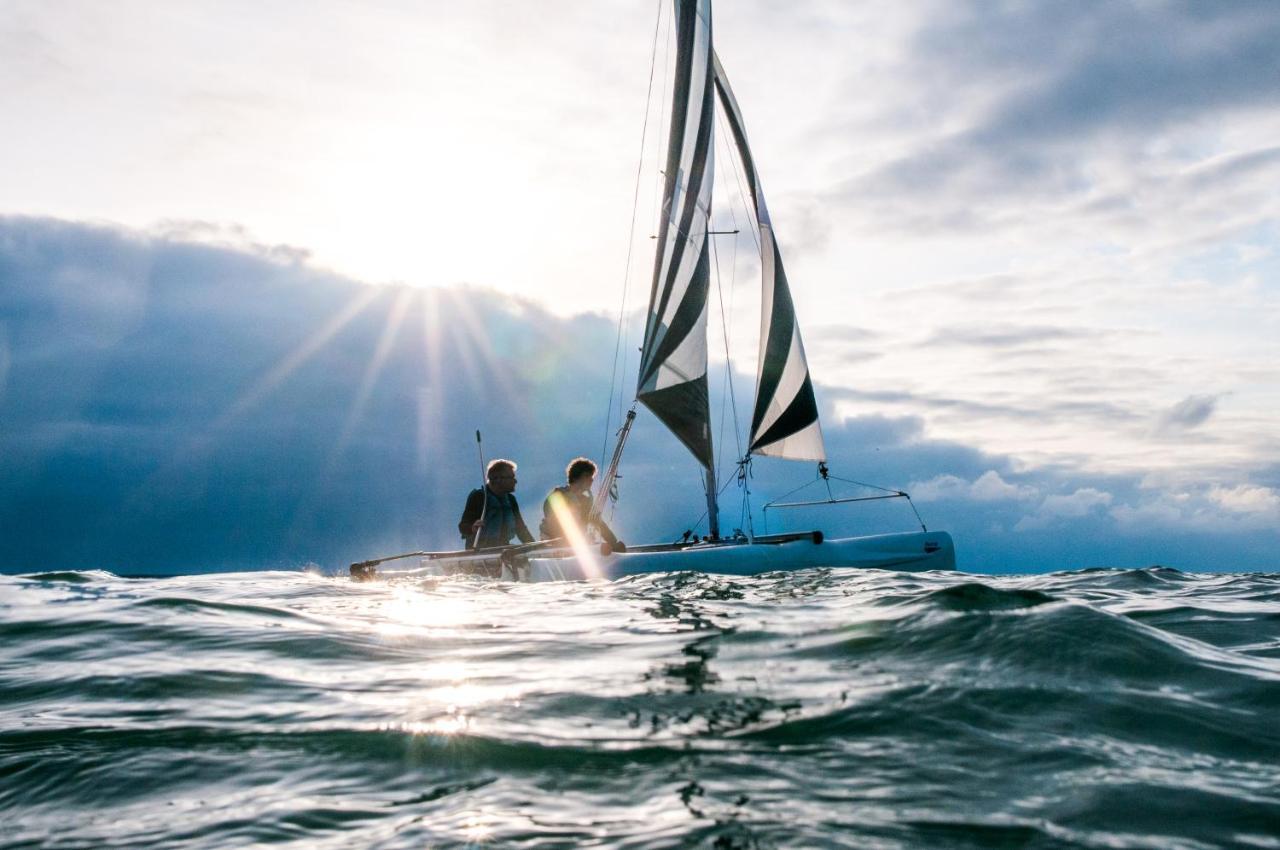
(672, 381)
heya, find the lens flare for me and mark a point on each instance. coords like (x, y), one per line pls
(583, 550)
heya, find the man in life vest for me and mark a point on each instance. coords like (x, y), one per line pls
(492, 515)
(570, 505)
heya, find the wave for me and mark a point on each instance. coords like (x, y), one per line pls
(821, 708)
(68, 576)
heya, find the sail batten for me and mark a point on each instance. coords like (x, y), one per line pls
(784, 421)
(673, 361)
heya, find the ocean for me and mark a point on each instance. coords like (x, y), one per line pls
(825, 708)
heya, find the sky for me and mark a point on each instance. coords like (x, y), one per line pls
(254, 259)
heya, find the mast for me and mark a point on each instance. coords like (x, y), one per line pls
(673, 360)
(713, 507)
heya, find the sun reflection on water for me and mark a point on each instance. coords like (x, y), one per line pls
(439, 687)
(409, 611)
(477, 828)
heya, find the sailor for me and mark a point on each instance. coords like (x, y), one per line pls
(571, 503)
(492, 515)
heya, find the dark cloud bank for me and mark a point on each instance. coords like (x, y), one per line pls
(170, 407)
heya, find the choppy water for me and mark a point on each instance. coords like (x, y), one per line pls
(1102, 708)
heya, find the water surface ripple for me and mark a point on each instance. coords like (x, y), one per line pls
(1101, 708)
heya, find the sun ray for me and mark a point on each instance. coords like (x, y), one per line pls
(295, 359)
(202, 443)
(475, 339)
(395, 317)
(433, 395)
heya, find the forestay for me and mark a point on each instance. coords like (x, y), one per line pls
(785, 420)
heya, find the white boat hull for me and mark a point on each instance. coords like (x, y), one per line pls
(915, 551)
(910, 551)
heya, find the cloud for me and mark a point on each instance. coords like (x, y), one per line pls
(1192, 411)
(1239, 510)
(996, 335)
(1080, 503)
(1248, 499)
(1098, 70)
(988, 487)
(1140, 127)
(1033, 409)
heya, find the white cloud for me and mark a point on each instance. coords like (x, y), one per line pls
(1214, 510)
(1247, 499)
(1144, 516)
(1082, 502)
(941, 487)
(988, 487)
(1076, 504)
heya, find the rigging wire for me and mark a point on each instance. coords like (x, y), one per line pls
(753, 229)
(728, 369)
(631, 240)
(745, 519)
(737, 166)
(656, 205)
(826, 477)
(719, 492)
(742, 194)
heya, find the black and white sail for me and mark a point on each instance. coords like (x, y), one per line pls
(785, 420)
(673, 361)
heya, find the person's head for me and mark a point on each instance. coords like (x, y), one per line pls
(581, 474)
(501, 475)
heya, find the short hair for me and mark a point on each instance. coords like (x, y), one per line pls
(579, 467)
(499, 463)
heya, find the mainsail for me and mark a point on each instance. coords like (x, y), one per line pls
(673, 361)
(785, 421)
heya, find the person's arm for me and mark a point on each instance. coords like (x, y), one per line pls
(606, 533)
(470, 513)
(551, 529)
(522, 530)
(548, 528)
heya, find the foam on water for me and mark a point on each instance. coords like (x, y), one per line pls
(1101, 708)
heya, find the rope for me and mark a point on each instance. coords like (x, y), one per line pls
(631, 241)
